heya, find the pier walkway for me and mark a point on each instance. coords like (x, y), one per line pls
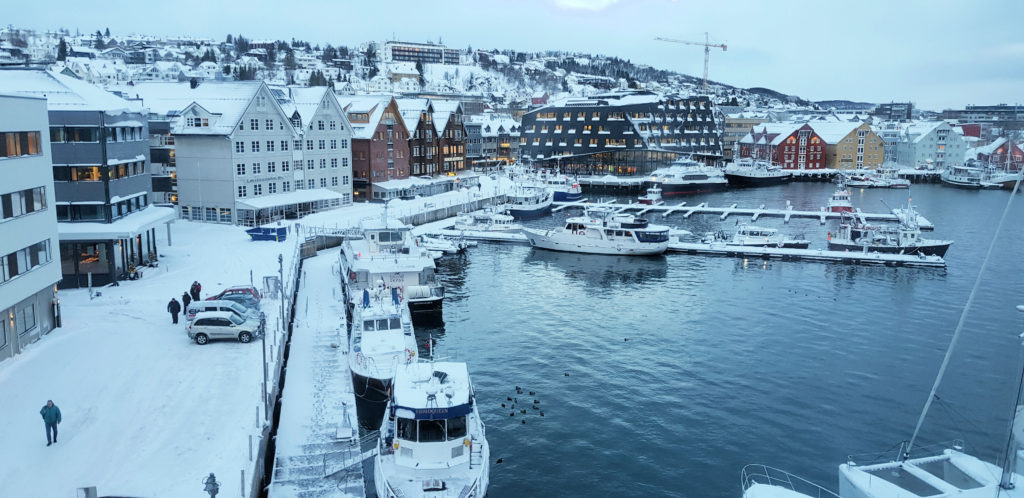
(849, 257)
(318, 448)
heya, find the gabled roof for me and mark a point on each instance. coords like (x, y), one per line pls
(833, 132)
(374, 105)
(917, 131)
(410, 109)
(443, 111)
(62, 93)
(228, 99)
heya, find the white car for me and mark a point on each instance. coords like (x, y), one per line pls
(196, 307)
(222, 325)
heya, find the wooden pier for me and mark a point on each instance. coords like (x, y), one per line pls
(848, 257)
(822, 214)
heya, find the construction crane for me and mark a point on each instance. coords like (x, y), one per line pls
(707, 52)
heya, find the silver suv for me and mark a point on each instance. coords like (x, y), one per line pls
(222, 325)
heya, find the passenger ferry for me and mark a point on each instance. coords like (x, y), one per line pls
(687, 176)
(603, 231)
(381, 339)
(385, 250)
(747, 172)
(529, 202)
(432, 441)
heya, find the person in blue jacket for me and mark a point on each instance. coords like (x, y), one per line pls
(51, 417)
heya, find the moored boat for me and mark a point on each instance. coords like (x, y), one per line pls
(904, 238)
(603, 231)
(747, 172)
(487, 220)
(751, 236)
(686, 176)
(652, 197)
(840, 200)
(962, 177)
(529, 202)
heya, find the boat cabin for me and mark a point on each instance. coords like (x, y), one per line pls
(428, 418)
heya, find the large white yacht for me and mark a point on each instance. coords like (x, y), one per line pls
(486, 220)
(432, 440)
(381, 339)
(603, 231)
(386, 250)
(748, 172)
(686, 176)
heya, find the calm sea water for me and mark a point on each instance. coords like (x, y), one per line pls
(682, 369)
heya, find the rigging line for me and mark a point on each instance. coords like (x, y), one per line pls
(963, 316)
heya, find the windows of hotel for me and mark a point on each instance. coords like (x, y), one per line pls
(309, 164)
(271, 167)
(566, 116)
(334, 181)
(309, 145)
(284, 146)
(536, 141)
(272, 188)
(546, 115)
(23, 261)
(22, 202)
(616, 116)
(600, 129)
(77, 174)
(344, 162)
(254, 124)
(580, 116)
(323, 182)
(80, 212)
(255, 146)
(240, 169)
(241, 191)
(334, 144)
(587, 128)
(310, 184)
(532, 129)
(285, 166)
(334, 162)
(593, 142)
(594, 116)
(270, 146)
(20, 143)
(344, 180)
(240, 147)
(286, 186)
(558, 128)
(578, 143)
(73, 134)
(256, 168)
(544, 129)
(344, 144)
(257, 189)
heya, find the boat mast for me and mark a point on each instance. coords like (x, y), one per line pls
(1010, 453)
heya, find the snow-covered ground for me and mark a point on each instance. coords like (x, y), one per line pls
(145, 411)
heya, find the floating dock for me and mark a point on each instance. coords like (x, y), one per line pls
(854, 258)
(822, 214)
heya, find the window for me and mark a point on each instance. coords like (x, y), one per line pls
(284, 145)
(286, 186)
(256, 168)
(309, 164)
(22, 202)
(344, 144)
(254, 124)
(310, 183)
(309, 145)
(284, 166)
(334, 144)
(344, 162)
(257, 189)
(344, 180)
(333, 125)
(211, 214)
(225, 215)
(271, 167)
(272, 188)
(298, 145)
(320, 125)
(241, 191)
(239, 147)
(270, 146)
(323, 163)
(270, 124)
(323, 182)
(321, 144)
(334, 162)
(334, 181)
(255, 146)
(240, 169)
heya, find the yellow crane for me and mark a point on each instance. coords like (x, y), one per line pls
(707, 51)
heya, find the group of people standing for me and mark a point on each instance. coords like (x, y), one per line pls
(174, 307)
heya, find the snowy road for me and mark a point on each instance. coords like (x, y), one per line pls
(145, 411)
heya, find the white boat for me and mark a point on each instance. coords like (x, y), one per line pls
(748, 172)
(761, 481)
(891, 175)
(840, 200)
(962, 177)
(385, 250)
(751, 236)
(603, 231)
(563, 188)
(487, 220)
(442, 244)
(381, 339)
(529, 202)
(432, 439)
(686, 176)
(652, 197)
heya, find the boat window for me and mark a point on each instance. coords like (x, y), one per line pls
(407, 429)
(431, 431)
(368, 325)
(456, 428)
(395, 323)
(382, 324)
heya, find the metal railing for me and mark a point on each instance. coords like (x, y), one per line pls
(756, 473)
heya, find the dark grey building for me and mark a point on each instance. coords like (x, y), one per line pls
(894, 111)
(1006, 117)
(620, 133)
(101, 171)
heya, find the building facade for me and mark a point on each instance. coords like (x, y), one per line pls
(735, 126)
(930, 145)
(425, 53)
(894, 111)
(622, 133)
(29, 257)
(380, 143)
(851, 145)
(791, 146)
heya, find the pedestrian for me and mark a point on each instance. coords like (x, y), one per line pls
(51, 417)
(185, 299)
(174, 308)
(194, 290)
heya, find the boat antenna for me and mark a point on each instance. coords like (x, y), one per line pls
(960, 327)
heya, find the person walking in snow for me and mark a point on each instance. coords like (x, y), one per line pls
(174, 308)
(194, 290)
(185, 299)
(51, 417)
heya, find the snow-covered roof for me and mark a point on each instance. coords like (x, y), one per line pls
(62, 93)
(410, 109)
(306, 100)
(918, 130)
(833, 132)
(432, 388)
(289, 198)
(373, 105)
(123, 228)
(443, 111)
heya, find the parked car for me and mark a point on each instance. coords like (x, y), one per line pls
(210, 325)
(247, 295)
(221, 305)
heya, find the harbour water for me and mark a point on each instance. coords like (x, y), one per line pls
(665, 376)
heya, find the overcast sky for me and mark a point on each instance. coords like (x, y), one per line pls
(937, 53)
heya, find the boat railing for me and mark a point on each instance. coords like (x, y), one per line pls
(756, 473)
(899, 452)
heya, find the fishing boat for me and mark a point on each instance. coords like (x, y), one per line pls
(905, 238)
(652, 197)
(967, 177)
(487, 220)
(563, 188)
(529, 202)
(748, 172)
(840, 200)
(751, 236)
(686, 176)
(432, 441)
(603, 231)
(890, 175)
(384, 249)
(381, 339)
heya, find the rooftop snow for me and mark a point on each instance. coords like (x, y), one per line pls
(289, 198)
(123, 228)
(62, 93)
(416, 381)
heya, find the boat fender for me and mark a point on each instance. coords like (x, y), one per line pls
(409, 354)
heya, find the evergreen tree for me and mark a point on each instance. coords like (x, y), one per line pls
(289, 61)
(62, 50)
(419, 69)
(98, 44)
(208, 56)
(226, 70)
(343, 52)
(229, 40)
(329, 54)
(107, 33)
(271, 57)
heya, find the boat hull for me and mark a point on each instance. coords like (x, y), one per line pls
(673, 189)
(935, 249)
(426, 310)
(788, 244)
(531, 212)
(841, 209)
(371, 399)
(961, 184)
(567, 196)
(584, 245)
(744, 181)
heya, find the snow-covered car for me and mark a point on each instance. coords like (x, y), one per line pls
(211, 325)
(220, 305)
(247, 295)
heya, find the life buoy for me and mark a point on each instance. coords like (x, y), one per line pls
(352, 276)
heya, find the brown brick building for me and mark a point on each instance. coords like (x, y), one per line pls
(380, 142)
